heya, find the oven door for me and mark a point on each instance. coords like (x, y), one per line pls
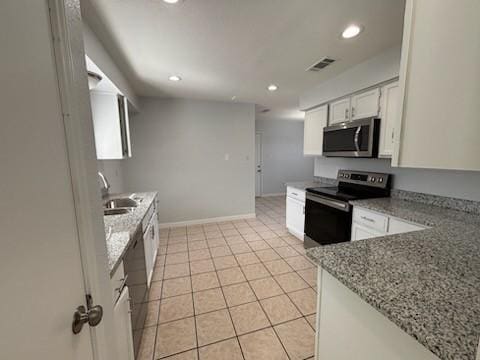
(327, 221)
(357, 138)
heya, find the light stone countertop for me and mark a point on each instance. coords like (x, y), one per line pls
(121, 229)
(427, 282)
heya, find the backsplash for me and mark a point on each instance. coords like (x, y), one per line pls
(469, 206)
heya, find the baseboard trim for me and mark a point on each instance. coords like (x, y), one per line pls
(208, 220)
(273, 194)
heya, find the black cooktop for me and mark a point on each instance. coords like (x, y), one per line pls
(335, 193)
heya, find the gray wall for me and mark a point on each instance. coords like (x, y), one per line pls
(113, 171)
(459, 184)
(283, 158)
(179, 149)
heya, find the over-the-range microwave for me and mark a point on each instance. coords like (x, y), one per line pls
(357, 138)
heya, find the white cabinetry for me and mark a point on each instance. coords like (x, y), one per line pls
(368, 224)
(339, 111)
(390, 111)
(439, 81)
(150, 240)
(295, 217)
(123, 327)
(315, 121)
(111, 125)
(365, 104)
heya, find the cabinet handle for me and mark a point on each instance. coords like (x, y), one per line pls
(304, 210)
(367, 219)
(346, 114)
(353, 112)
(294, 194)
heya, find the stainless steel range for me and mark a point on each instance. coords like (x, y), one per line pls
(328, 213)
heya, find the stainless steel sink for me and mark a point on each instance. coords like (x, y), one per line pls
(116, 211)
(120, 203)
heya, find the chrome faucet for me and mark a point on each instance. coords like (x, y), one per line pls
(105, 186)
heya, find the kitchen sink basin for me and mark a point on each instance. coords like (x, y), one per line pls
(116, 211)
(120, 203)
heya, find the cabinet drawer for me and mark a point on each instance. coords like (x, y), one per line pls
(296, 194)
(370, 219)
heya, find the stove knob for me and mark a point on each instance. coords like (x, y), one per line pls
(372, 179)
(380, 180)
(347, 176)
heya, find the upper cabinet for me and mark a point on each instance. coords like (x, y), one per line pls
(365, 104)
(339, 111)
(111, 125)
(439, 125)
(315, 121)
(358, 106)
(389, 113)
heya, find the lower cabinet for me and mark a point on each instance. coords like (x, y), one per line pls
(295, 220)
(368, 224)
(123, 327)
(151, 242)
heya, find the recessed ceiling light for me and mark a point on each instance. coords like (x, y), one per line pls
(351, 31)
(234, 98)
(272, 87)
(171, 1)
(174, 78)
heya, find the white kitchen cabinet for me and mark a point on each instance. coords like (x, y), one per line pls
(339, 111)
(295, 216)
(365, 104)
(360, 232)
(390, 111)
(151, 241)
(439, 81)
(368, 224)
(315, 121)
(123, 327)
(111, 125)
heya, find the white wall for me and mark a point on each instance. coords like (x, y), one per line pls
(283, 159)
(179, 148)
(459, 184)
(113, 171)
(375, 70)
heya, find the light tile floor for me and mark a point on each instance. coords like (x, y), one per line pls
(232, 290)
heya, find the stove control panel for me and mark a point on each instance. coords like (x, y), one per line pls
(364, 178)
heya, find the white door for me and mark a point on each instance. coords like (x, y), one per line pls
(258, 165)
(42, 279)
(295, 217)
(339, 111)
(42, 271)
(365, 104)
(390, 111)
(315, 121)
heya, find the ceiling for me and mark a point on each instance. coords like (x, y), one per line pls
(236, 48)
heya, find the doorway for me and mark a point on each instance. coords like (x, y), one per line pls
(258, 165)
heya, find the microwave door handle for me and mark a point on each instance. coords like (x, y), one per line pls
(356, 138)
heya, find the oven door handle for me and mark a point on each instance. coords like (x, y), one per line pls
(356, 138)
(340, 205)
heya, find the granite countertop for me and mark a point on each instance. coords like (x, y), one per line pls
(427, 282)
(120, 229)
(303, 185)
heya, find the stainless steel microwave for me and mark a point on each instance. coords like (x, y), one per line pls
(357, 138)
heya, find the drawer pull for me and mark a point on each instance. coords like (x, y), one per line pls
(367, 219)
(294, 194)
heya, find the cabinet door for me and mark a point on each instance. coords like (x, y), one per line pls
(360, 232)
(315, 121)
(339, 111)
(295, 217)
(390, 111)
(148, 244)
(123, 327)
(365, 104)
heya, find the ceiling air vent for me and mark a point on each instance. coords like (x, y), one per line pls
(264, 111)
(324, 62)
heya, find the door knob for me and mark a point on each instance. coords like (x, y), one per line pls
(81, 316)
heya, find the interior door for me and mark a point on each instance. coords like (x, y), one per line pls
(42, 281)
(258, 165)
